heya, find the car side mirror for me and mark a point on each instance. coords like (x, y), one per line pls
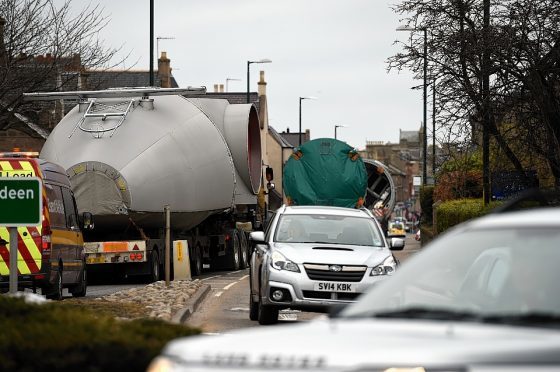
(396, 244)
(87, 221)
(257, 236)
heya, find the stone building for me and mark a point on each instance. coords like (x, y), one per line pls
(402, 159)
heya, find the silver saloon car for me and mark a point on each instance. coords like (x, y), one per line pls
(312, 257)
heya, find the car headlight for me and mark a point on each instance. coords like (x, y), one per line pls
(161, 364)
(387, 267)
(280, 262)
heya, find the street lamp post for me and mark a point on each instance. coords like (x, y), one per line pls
(265, 60)
(338, 126)
(301, 99)
(228, 80)
(425, 98)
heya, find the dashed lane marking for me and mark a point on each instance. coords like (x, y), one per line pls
(243, 309)
(211, 277)
(229, 286)
(219, 294)
(243, 277)
(234, 272)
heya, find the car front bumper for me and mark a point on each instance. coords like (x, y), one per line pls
(303, 293)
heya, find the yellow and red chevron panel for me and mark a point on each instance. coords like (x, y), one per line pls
(29, 238)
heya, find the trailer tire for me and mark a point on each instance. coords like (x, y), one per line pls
(244, 248)
(196, 261)
(154, 267)
(233, 254)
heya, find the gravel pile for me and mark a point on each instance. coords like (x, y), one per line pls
(161, 302)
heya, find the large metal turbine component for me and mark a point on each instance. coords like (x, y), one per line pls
(129, 157)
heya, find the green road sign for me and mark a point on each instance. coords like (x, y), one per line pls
(20, 201)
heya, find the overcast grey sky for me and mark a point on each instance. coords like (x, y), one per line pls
(334, 50)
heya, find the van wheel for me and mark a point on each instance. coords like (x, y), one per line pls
(81, 288)
(154, 267)
(56, 288)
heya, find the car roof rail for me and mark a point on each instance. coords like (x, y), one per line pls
(530, 198)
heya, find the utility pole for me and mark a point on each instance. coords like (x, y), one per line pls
(434, 130)
(151, 43)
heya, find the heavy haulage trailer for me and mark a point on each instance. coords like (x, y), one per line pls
(129, 153)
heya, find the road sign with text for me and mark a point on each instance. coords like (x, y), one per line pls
(20, 201)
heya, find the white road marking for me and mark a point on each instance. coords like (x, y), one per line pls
(229, 286)
(239, 309)
(243, 277)
(211, 277)
(211, 334)
(234, 272)
(218, 294)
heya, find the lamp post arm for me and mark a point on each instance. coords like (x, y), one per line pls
(300, 121)
(248, 77)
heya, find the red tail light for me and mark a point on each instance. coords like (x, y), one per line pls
(46, 238)
(46, 245)
(135, 256)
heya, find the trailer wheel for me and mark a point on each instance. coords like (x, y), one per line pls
(233, 254)
(154, 267)
(196, 261)
(244, 251)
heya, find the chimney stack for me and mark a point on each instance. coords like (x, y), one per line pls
(262, 85)
(216, 88)
(221, 88)
(164, 71)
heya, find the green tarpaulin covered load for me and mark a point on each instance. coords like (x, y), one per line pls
(325, 171)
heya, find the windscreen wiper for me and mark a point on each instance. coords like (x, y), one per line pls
(533, 318)
(427, 313)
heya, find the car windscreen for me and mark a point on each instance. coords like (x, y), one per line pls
(489, 272)
(329, 229)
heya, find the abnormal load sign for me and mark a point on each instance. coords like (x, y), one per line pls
(20, 201)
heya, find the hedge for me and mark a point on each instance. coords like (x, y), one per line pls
(54, 337)
(453, 212)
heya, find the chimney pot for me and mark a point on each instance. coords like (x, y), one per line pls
(164, 71)
(216, 88)
(221, 88)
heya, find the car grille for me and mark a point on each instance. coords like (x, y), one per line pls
(330, 295)
(346, 273)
